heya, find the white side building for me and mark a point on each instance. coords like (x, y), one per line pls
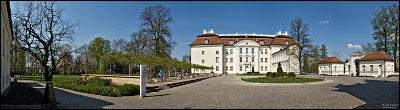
(378, 64)
(242, 53)
(6, 38)
(331, 66)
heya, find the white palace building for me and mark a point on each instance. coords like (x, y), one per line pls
(242, 53)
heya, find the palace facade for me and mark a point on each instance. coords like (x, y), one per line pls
(243, 53)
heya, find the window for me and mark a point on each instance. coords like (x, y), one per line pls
(240, 59)
(231, 42)
(226, 51)
(261, 51)
(206, 41)
(266, 67)
(231, 51)
(217, 59)
(262, 68)
(261, 59)
(265, 51)
(247, 59)
(372, 68)
(226, 68)
(349, 67)
(202, 52)
(231, 59)
(266, 60)
(247, 50)
(241, 68)
(202, 61)
(363, 68)
(252, 50)
(252, 59)
(231, 69)
(334, 68)
(226, 60)
(261, 42)
(217, 52)
(286, 42)
(216, 68)
(240, 50)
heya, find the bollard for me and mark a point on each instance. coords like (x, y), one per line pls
(142, 81)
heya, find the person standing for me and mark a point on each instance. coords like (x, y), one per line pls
(161, 74)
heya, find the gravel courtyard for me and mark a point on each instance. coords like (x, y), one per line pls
(229, 92)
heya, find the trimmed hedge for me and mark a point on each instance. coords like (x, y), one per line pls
(97, 81)
(274, 74)
(268, 74)
(129, 89)
(292, 75)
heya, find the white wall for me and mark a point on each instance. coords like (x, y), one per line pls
(209, 57)
(365, 68)
(331, 69)
(5, 47)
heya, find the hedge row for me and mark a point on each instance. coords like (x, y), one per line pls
(114, 91)
(282, 74)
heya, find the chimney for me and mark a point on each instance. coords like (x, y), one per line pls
(286, 33)
(204, 31)
(212, 31)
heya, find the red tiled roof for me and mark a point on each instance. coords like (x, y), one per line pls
(376, 56)
(330, 60)
(214, 39)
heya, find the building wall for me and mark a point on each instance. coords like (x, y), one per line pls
(331, 69)
(5, 47)
(365, 68)
(287, 59)
(209, 57)
(352, 65)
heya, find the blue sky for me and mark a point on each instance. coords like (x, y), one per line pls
(336, 24)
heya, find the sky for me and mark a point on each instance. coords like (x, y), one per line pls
(341, 25)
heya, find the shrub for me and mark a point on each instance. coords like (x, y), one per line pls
(283, 74)
(128, 89)
(274, 74)
(268, 74)
(80, 82)
(292, 75)
(97, 81)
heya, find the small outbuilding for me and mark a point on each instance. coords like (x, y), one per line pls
(378, 64)
(331, 66)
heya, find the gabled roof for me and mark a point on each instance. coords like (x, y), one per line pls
(330, 60)
(376, 56)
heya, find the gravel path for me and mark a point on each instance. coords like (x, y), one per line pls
(228, 92)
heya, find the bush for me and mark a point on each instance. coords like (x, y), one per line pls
(283, 74)
(292, 75)
(268, 74)
(128, 89)
(76, 73)
(274, 74)
(80, 82)
(97, 81)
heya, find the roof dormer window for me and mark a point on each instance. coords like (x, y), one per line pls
(206, 41)
(286, 42)
(261, 42)
(231, 42)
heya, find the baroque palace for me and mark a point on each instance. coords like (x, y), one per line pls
(243, 53)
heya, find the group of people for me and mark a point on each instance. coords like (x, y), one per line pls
(160, 75)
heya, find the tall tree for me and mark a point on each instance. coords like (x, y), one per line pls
(186, 58)
(394, 23)
(42, 28)
(324, 51)
(139, 43)
(119, 45)
(315, 58)
(83, 51)
(368, 48)
(155, 21)
(299, 30)
(382, 30)
(97, 48)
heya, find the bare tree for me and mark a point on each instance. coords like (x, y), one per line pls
(155, 20)
(335, 53)
(299, 32)
(118, 45)
(368, 48)
(43, 28)
(140, 43)
(84, 52)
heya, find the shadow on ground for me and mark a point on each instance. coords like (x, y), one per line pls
(69, 100)
(377, 94)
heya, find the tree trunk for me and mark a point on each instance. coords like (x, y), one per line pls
(175, 73)
(169, 74)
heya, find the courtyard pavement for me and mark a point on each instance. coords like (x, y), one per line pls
(229, 92)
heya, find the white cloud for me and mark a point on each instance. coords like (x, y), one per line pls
(353, 46)
(324, 22)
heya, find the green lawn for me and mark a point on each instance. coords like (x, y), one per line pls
(251, 74)
(281, 80)
(56, 78)
(21, 93)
